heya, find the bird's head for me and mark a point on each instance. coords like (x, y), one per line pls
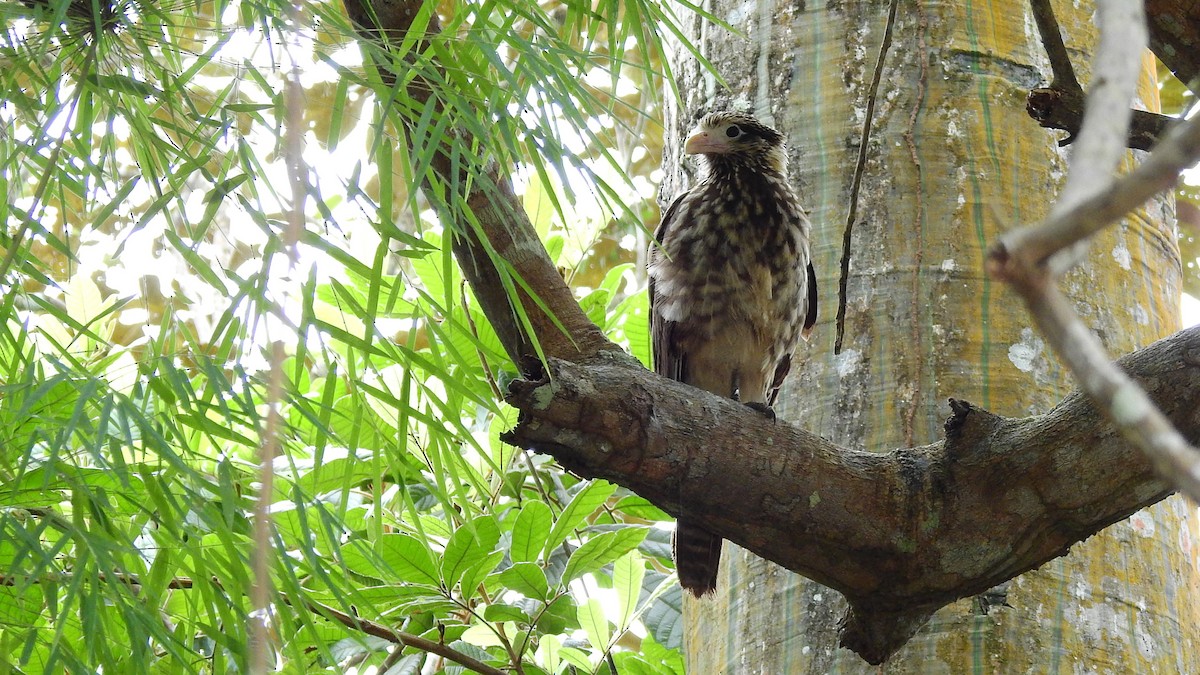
(737, 139)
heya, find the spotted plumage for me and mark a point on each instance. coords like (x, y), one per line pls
(731, 287)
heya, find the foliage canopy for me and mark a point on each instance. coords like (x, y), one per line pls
(164, 326)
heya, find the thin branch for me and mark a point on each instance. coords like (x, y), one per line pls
(856, 182)
(1056, 50)
(1033, 258)
(400, 637)
(1032, 245)
(1123, 401)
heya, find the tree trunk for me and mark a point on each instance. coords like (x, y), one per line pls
(952, 161)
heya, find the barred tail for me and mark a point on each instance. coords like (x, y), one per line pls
(697, 557)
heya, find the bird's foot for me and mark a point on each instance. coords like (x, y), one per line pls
(761, 407)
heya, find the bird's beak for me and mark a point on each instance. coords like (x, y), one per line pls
(703, 143)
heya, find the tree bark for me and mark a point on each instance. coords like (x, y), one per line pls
(951, 163)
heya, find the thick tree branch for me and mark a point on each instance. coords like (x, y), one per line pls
(502, 230)
(899, 533)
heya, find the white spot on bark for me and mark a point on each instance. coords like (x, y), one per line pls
(1142, 524)
(847, 362)
(1025, 354)
(739, 14)
(948, 265)
(1121, 254)
(1140, 315)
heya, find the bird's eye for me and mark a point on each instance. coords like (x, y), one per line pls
(733, 131)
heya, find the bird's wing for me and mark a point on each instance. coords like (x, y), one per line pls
(810, 319)
(667, 359)
(781, 372)
(810, 316)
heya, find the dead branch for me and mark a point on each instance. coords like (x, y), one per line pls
(1060, 106)
(1033, 258)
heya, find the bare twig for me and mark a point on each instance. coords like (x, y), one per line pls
(1032, 245)
(1032, 258)
(1056, 50)
(859, 168)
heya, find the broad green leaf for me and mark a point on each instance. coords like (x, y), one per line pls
(602, 549)
(527, 579)
(530, 531)
(585, 502)
(470, 545)
(477, 572)
(575, 657)
(548, 650)
(399, 557)
(594, 623)
(640, 507)
(500, 612)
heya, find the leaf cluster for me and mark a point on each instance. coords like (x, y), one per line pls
(147, 281)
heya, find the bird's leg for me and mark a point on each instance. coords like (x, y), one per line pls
(751, 388)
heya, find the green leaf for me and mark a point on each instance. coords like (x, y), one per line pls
(500, 612)
(530, 532)
(628, 572)
(640, 507)
(594, 623)
(470, 545)
(602, 549)
(586, 501)
(576, 658)
(397, 557)
(475, 575)
(527, 579)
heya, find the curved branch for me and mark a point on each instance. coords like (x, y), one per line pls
(502, 230)
(899, 533)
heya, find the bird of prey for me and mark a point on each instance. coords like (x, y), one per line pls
(732, 288)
